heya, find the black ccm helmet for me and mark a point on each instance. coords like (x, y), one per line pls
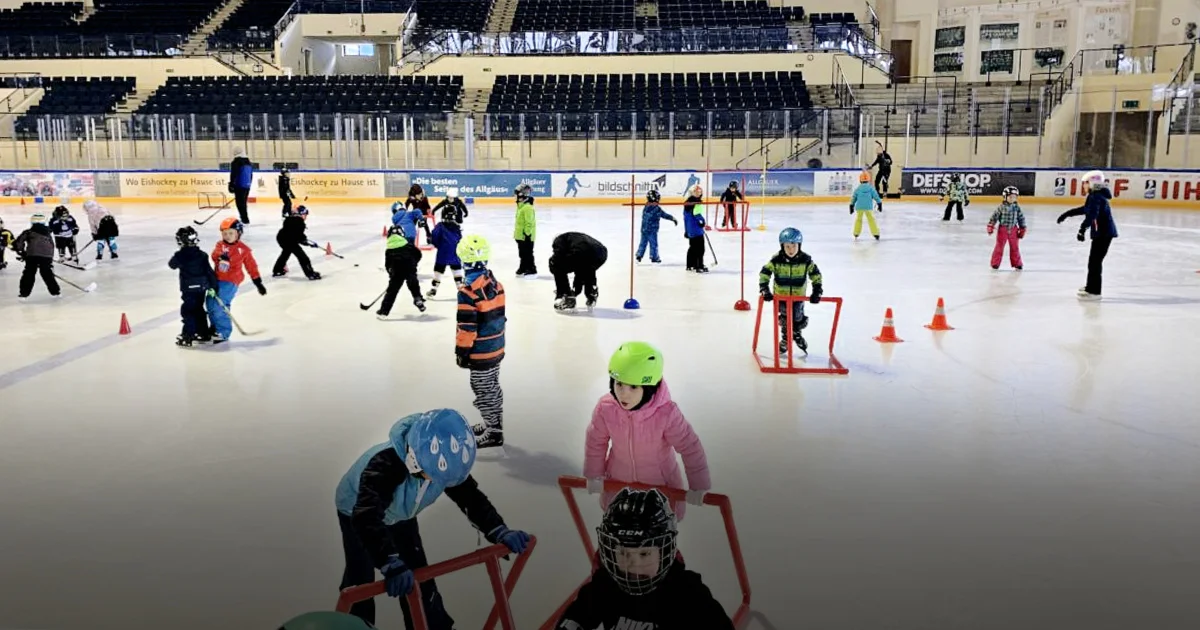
(187, 237)
(638, 523)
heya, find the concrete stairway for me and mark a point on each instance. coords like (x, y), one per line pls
(473, 102)
(501, 18)
(135, 99)
(197, 44)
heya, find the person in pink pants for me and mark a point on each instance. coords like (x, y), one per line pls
(1011, 222)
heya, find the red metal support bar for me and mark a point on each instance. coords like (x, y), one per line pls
(489, 556)
(568, 484)
(835, 366)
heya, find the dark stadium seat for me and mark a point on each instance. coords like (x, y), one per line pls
(251, 26)
(454, 15)
(75, 96)
(116, 28)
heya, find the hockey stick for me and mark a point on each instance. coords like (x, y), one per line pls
(88, 289)
(88, 267)
(367, 307)
(711, 250)
(330, 251)
(241, 330)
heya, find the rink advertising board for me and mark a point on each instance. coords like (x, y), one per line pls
(334, 185)
(47, 185)
(481, 184)
(620, 185)
(139, 184)
(775, 184)
(1135, 185)
(931, 182)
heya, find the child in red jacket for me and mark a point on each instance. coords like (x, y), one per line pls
(229, 257)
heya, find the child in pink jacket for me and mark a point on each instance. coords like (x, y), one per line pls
(636, 430)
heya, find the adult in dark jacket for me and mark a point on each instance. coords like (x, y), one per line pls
(452, 202)
(729, 200)
(379, 498)
(285, 192)
(640, 581)
(197, 281)
(693, 229)
(582, 255)
(884, 161)
(36, 247)
(1098, 219)
(291, 240)
(241, 180)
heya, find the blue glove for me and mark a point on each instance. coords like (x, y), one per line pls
(515, 539)
(397, 577)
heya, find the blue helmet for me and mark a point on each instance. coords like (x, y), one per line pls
(791, 235)
(438, 443)
(397, 207)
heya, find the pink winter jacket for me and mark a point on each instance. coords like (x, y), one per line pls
(640, 446)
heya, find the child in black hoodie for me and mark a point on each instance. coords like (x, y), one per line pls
(197, 281)
(285, 192)
(36, 247)
(291, 238)
(64, 228)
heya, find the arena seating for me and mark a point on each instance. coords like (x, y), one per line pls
(453, 15)
(118, 27)
(583, 15)
(76, 96)
(37, 17)
(728, 95)
(345, 94)
(251, 26)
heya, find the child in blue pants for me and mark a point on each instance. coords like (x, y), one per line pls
(651, 215)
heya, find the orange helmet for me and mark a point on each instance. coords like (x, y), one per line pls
(232, 224)
(864, 177)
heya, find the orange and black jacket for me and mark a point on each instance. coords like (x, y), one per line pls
(481, 320)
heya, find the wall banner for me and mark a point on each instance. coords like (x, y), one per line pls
(1132, 185)
(336, 185)
(481, 184)
(669, 184)
(776, 184)
(980, 182)
(137, 184)
(47, 185)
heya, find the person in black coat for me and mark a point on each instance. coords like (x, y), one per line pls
(582, 255)
(35, 246)
(285, 192)
(453, 203)
(291, 239)
(1098, 220)
(197, 281)
(884, 161)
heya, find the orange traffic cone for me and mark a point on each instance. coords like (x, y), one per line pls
(939, 318)
(385, 231)
(328, 248)
(22, 201)
(125, 328)
(888, 333)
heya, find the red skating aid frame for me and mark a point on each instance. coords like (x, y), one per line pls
(568, 484)
(835, 366)
(718, 208)
(489, 556)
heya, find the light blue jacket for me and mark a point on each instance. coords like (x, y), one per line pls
(406, 220)
(865, 197)
(412, 496)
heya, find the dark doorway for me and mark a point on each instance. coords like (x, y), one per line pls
(902, 60)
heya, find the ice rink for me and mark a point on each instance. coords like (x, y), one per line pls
(1037, 467)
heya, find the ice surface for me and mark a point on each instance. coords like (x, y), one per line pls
(1037, 467)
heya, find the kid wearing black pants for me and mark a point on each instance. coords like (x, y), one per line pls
(285, 192)
(693, 229)
(65, 228)
(728, 199)
(291, 240)
(578, 253)
(401, 260)
(1098, 219)
(197, 281)
(6, 239)
(36, 247)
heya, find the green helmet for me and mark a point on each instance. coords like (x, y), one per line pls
(473, 249)
(325, 621)
(636, 363)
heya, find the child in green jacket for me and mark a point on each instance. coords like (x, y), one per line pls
(525, 231)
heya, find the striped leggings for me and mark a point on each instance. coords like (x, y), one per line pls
(489, 398)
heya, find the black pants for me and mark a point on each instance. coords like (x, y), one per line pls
(585, 281)
(730, 215)
(2, 250)
(525, 252)
(399, 274)
(289, 250)
(34, 266)
(240, 197)
(882, 177)
(406, 537)
(287, 205)
(695, 252)
(1095, 274)
(950, 206)
(65, 244)
(195, 320)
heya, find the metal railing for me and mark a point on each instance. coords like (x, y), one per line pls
(74, 45)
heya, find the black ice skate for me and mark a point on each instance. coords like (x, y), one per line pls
(113, 255)
(593, 296)
(488, 436)
(185, 341)
(420, 304)
(701, 269)
(432, 290)
(565, 303)
(314, 276)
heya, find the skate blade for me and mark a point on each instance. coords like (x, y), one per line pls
(491, 454)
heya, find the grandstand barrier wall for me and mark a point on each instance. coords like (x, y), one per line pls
(1171, 188)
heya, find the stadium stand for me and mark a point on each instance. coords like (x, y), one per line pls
(251, 26)
(76, 96)
(454, 15)
(116, 28)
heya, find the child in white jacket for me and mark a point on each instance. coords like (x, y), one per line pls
(104, 228)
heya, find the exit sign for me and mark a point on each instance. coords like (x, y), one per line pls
(1130, 104)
